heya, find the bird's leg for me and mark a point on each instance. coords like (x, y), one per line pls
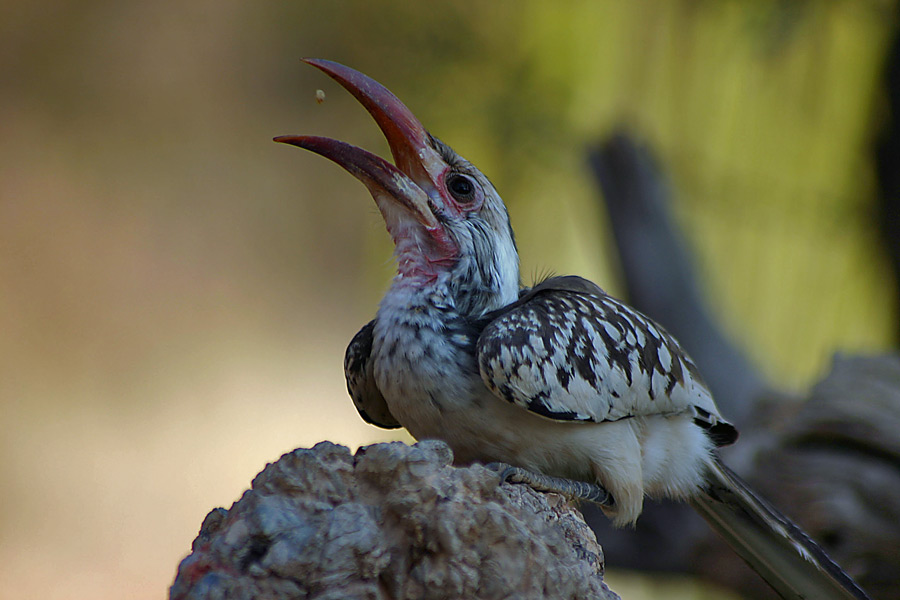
(580, 490)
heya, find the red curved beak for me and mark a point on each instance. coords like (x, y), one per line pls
(418, 165)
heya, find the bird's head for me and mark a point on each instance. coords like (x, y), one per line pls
(448, 223)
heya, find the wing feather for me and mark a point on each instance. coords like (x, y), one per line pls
(568, 351)
(367, 398)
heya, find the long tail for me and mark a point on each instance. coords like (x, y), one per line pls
(794, 565)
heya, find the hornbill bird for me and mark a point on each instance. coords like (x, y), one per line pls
(558, 385)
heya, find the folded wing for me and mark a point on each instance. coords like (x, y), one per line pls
(568, 351)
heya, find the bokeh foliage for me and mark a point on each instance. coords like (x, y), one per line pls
(176, 291)
(762, 112)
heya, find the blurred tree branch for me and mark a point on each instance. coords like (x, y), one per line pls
(829, 461)
(887, 164)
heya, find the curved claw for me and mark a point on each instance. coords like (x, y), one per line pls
(580, 490)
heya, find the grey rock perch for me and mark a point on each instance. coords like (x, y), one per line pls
(390, 522)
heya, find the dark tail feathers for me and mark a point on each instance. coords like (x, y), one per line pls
(794, 565)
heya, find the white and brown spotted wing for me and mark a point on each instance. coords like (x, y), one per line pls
(568, 351)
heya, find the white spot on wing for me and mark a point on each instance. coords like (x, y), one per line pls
(665, 357)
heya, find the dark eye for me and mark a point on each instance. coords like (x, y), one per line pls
(461, 187)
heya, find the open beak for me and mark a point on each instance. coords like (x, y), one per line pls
(419, 166)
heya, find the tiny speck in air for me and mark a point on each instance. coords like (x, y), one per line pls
(320, 96)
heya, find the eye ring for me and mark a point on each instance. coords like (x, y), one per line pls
(461, 187)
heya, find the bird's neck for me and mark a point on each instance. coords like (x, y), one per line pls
(449, 294)
(470, 273)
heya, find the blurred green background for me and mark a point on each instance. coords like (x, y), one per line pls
(176, 291)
